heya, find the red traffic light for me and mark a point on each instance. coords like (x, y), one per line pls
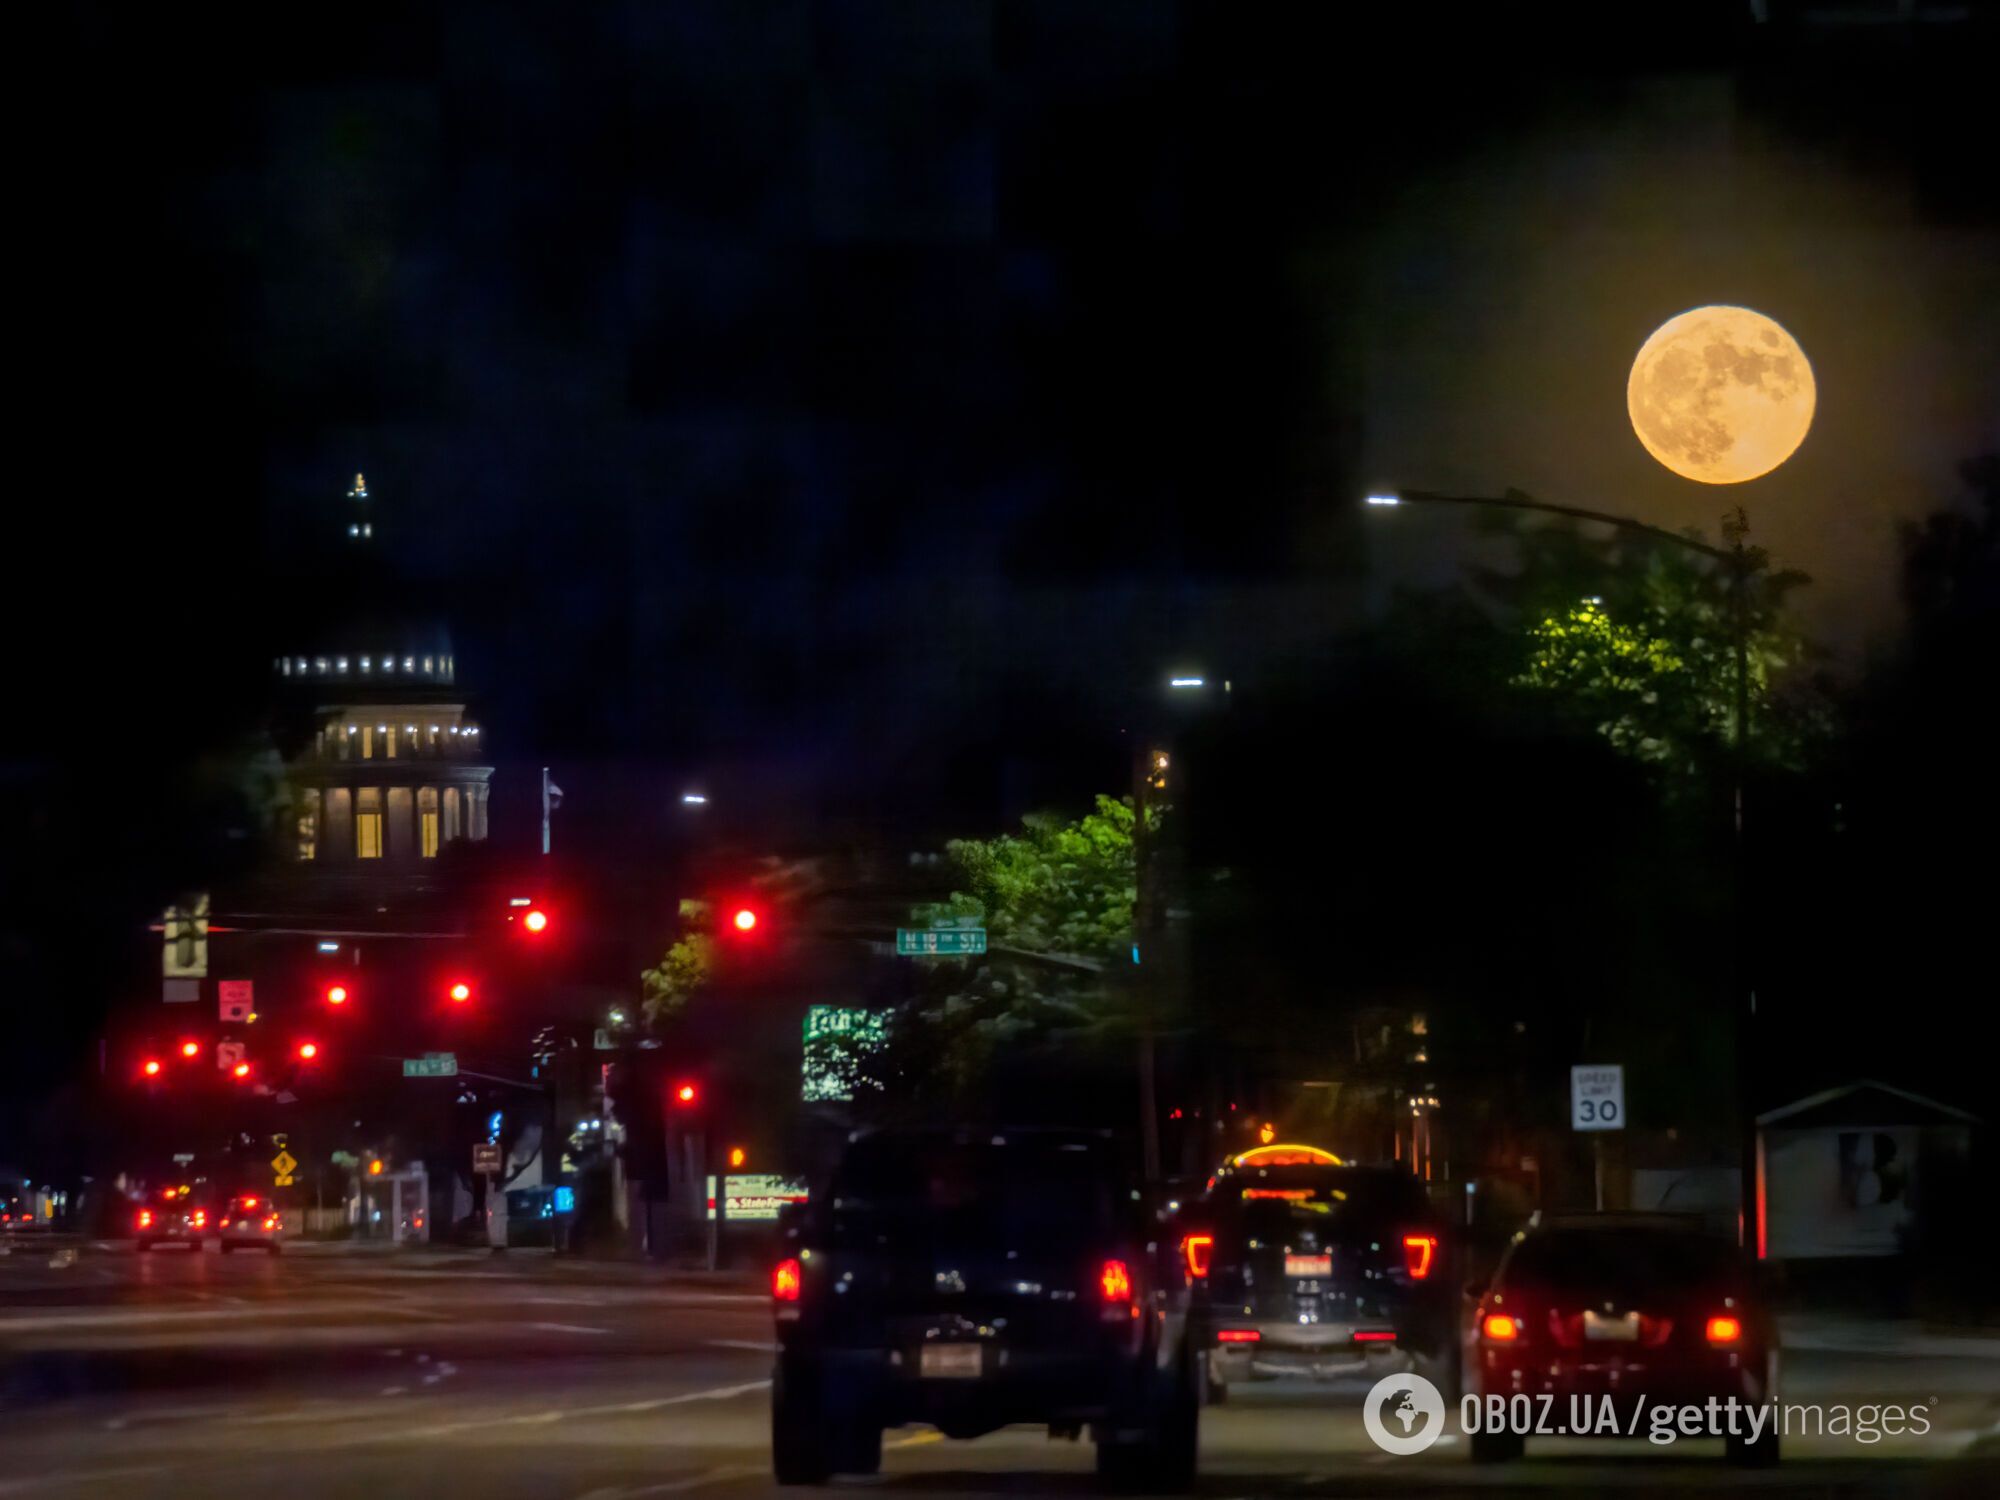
(460, 992)
(190, 1049)
(308, 1051)
(745, 920)
(535, 919)
(686, 1093)
(336, 994)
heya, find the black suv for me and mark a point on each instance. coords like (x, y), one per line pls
(1303, 1264)
(975, 1278)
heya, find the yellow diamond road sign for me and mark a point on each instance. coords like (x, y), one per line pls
(284, 1164)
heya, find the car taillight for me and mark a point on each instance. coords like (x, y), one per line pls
(1198, 1250)
(271, 1223)
(1115, 1281)
(787, 1279)
(200, 1219)
(1724, 1329)
(1501, 1328)
(1237, 1335)
(1374, 1335)
(145, 1218)
(225, 1223)
(1419, 1251)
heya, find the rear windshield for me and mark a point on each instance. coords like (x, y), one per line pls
(1637, 1260)
(1039, 1191)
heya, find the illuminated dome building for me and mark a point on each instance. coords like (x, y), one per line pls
(385, 765)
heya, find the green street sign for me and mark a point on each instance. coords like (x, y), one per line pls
(912, 941)
(431, 1065)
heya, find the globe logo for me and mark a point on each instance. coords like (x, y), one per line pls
(1403, 1413)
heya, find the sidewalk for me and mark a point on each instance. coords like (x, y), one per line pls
(1848, 1333)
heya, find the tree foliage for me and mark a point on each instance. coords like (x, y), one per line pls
(667, 987)
(1057, 902)
(1635, 638)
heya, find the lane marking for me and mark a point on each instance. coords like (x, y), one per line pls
(558, 1414)
(567, 1328)
(673, 1486)
(754, 1345)
(79, 1476)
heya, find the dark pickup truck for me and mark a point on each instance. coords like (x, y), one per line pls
(971, 1279)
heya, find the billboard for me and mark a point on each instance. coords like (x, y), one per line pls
(836, 1038)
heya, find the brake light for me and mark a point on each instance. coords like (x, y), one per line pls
(272, 1223)
(787, 1279)
(1501, 1328)
(1115, 1280)
(249, 1202)
(1375, 1336)
(1419, 1250)
(200, 1218)
(1724, 1329)
(1198, 1250)
(1237, 1335)
(225, 1223)
(145, 1218)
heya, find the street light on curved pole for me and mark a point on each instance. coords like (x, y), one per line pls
(1735, 526)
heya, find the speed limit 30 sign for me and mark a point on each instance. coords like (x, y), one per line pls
(1597, 1097)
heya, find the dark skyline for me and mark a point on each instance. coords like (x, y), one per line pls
(801, 390)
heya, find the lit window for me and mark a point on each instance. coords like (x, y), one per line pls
(427, 666)
(409, 664)
(288, 667)
(341, 663)
(319, 664)
(367, 742)
(364, 663)
(427, 833)
(368, 823)
(389, 742)
(309, 826)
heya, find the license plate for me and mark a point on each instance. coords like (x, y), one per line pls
(1623, 1330)
(949, 1362)
(1308, 1265)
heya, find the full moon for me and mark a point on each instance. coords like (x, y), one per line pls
(1721, 394)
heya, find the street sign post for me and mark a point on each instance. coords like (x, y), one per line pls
(1597, 1102)
(486, 1157)
(228, 1055)
(940, 942)
(235, 999)
(431, 1065)
(1597, 1097)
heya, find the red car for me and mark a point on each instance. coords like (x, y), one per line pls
(1617, 1325)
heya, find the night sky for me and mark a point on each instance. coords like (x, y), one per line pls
(782, 395)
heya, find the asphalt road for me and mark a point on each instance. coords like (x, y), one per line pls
(488, 1378)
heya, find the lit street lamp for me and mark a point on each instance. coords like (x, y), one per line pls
(1735, 557)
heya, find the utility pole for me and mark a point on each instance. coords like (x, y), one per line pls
(1736, 526)
(1146, 954)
